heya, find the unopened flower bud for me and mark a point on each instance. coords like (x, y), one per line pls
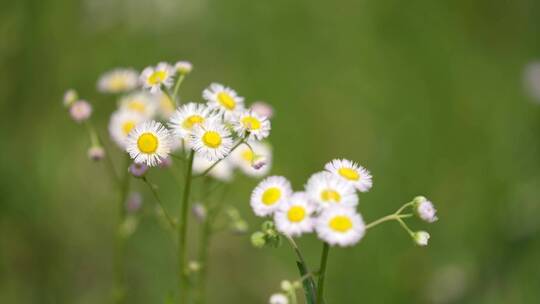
(425, 209)
(138, 169)
(421, 238)
(267, 226)
(259, 162)
(96, 153)
(70, 96)
(263, 109)
(183, 67)
(278, 298)
(286, 286)
(80, 110)
(258, 239)
(199, 210)
(194, 266)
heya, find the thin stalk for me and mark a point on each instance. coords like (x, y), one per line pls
(182, 232)
(177, 86)
(403, 207)
(119, 256)
(218, 161)
(387, 218)
(322, 273)
(309, 285)
(152, 187)
(402, 223)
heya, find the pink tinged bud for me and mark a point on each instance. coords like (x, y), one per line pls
(165, 162)
(80, 111)
(134, 202)
(138, 169)
(263, 109)
(199, 211)
(96, 153)
(259, 162)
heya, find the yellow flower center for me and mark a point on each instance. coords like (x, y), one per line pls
(137, 106)
(211, 139)
(349, 173)
(271, 196)
(247, 155)
(296, 214)
(147, 143)
(193, 120)
(118, 83)
(226, 100)
(128, 126)
(251, 123)
(340, 223)
(330, 195)
(157, 77)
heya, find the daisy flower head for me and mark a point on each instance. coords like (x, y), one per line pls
(222, 171)
(223, 98)
(141, 103)
(152, 78)
(351, 172)
(118, 81)
(245, 157)
(327, 190)
(149, 143)
(211, 139)
(341, 226)
(189, 116)
(268, 196)
(249, 123)
(293, 218)
(121, 124)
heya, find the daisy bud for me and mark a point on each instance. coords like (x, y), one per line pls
(128, 227)
(194, 266)
(183, 67)
(263, 109)
(258, 239)
(134, 202)
(286, 286)
(199, 211)
(80, 110)
(240, 226)
(279, 298)
(259, 162)
(425, 209)
(96, 153)
(421, 238)
(165, 162)
(138, 169)
(70, 96)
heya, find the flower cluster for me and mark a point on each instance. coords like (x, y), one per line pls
(327, 205)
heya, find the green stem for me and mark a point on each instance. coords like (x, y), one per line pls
(309, 284)
(119, 261)
(241, 141)
(322, 273)
(387, 218)
(182, 232)
(403, 207)
(153, 187)
(402, 223)
(177, 87)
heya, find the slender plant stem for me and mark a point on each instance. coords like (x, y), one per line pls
(390, 217)
(403, 207)
(182, 232)
(309, 286)
(153, 187)
(119, 256)
(177, 87)
(241, 141)
(322, 273)
(402, 223)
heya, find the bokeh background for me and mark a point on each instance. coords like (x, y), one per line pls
(429, 95)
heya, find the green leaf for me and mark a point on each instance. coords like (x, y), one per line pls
(309, 285)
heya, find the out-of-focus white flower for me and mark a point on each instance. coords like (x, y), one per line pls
(122, 122)
(421, 238)
(278, 298)
(189, 116)
(425, 209)
(248, 160)
(211, 140)
(140, 102)
(293, 218)
(351, 172)
(70, 96)
(199, 211)
(80, 111)
(183, 67)
(96, 153)
(152, 78)
(223, 171)
(263, 109)
(149, 143)
(251, 124)
(267, 197)
(340, 226)
(328, 190)
(118, 81)
(225, 99)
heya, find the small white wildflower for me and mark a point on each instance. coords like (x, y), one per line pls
(225, 99)
(188, 116)
(268, 196)
(118, 80)
(278, 298)
(340, 226)
(293, 218)
(149, 143)
(263, 109)
(211, 140)
(80, 111)
(425, 209)
(121, 124)
(351, 172)
(141, 103)
(152, 78)
(327, 190)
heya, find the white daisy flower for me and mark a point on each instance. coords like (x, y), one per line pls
(211, 140)
(252, 124)
(351, 172)
(340, 226)
(189, 116)
(118, 81)
(244, 158)
(152, 78)
(293, 218)
(268, 196)
(149, 143)
(121, 124)
(425, 209)
(223, 98)
(327, 189)
(278, 298)
(139, 102)
(223, 171)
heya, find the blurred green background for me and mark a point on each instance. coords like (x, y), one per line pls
(428, 95)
